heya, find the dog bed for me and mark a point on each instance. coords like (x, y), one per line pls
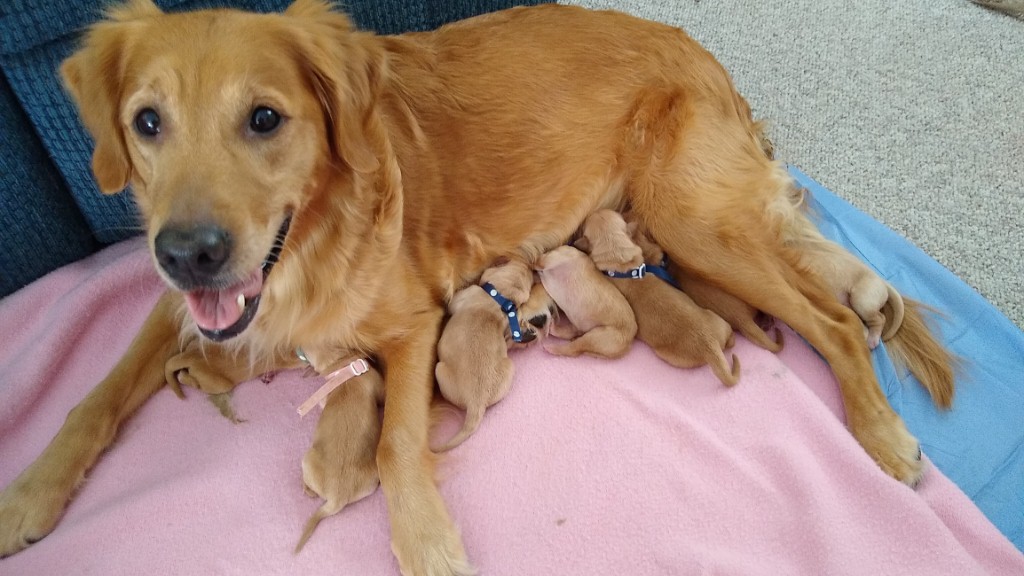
(587, 467)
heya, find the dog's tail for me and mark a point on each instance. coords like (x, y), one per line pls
(326, 509)
(721, 369)
(914, 348)
(474, 416)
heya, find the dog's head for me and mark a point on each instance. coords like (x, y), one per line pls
(226, 125)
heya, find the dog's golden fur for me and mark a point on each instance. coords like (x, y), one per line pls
(679, 331)
(407, 165)
(599, 321)
(473, 369)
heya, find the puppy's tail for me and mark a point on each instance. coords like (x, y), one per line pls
(474, 416)
(755, 334)
(721, 369)
(894, 313)
(914, 348)
(325, 510)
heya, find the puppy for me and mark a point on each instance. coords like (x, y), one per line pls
(601, 322)
(473, 370)
(879, 306)
(741, 316)
(680, 332)
(341, 464)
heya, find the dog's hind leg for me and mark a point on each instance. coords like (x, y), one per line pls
(31, 505)
(710, 203)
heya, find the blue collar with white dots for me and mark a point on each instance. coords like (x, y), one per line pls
(661, 271)
(635, 273)
(508, 307)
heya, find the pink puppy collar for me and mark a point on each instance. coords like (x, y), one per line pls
(334, 379)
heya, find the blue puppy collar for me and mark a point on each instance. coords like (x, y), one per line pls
(508, 307)
(661, 271)
(636, 273)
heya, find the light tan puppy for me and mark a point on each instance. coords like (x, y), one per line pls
(540, 312)
(876, 302)
(680, 332)
(341, 464)
(602, 323)
(473, 369)
(741, 316)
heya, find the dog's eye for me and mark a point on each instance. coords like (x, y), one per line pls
(147, 122)
(264, 120)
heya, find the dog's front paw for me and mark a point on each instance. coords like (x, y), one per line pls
(430, 550)
(887, 440)
(29, 510)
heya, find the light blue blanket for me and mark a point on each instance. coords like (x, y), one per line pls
(979, 444)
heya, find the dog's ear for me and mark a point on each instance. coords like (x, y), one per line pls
(93, 76)
(582, 244)
(345, 69)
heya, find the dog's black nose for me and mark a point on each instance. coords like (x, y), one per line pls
(192, 256)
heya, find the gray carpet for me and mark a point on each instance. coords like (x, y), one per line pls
(912, 111)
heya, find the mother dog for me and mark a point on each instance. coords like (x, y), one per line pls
(306, 185)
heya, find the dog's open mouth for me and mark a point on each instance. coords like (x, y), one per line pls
(225, 313)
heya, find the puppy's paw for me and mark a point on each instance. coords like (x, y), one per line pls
(29, 510)
(888, 442)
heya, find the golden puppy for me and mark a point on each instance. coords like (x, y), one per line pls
(341, 464)
(304, 184)
(600, 320)
(741, 316)
(680, 332)
(473, 369)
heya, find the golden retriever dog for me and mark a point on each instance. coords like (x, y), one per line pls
(306, 185)
(600, 322)
(473, 369)
(341, 465)
(680, 332)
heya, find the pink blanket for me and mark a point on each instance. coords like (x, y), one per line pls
(587, 467)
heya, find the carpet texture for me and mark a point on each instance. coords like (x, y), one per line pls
(911, 111)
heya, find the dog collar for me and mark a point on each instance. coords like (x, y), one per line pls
(661, 271)
(508, 307)
(334, 379)
(635, 273)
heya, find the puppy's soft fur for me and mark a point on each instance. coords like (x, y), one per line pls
(341, 464)
(473, 369)
(600, 320)
(680, 332)
(741, 316)
(303, 184)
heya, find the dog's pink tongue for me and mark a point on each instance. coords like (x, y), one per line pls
(219, 309)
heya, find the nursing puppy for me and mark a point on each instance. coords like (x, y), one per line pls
(741, 316)
(473, 369)
(341, 465)
(600, 322)
(680, 332)
(306, 185)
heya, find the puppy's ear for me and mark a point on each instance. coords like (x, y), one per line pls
(93, 76)
(345, 69)
(582, 244)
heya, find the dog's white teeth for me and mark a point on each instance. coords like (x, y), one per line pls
(241, 301)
